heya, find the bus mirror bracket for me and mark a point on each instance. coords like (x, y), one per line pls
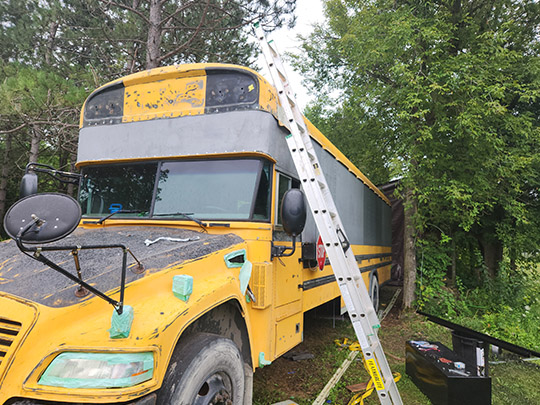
(39, 219)
(29, 182)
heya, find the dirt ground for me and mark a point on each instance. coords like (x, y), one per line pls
(303, 380)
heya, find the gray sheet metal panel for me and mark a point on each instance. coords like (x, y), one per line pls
(193, 135)
(377, 217)
(348, 192)
(386, 225)
(236, 131)
(364, 215)
(370, 218)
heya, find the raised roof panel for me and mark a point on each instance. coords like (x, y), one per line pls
(173, 92)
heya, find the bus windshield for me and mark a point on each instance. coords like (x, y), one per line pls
(204, 189)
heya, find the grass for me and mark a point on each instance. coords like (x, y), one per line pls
(512, 383)
(515, 383)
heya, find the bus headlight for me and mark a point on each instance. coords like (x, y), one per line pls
(98, 370)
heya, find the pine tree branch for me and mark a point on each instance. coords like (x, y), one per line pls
(10, 131)
(190, 40)
(128, 8)
(178, 11)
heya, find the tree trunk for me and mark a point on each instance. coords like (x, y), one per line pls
(492, 252)
(153, 42)
(409, 250)
(4, 174)
(34, 145)
(71, 187)
(53, 29)
(454, 264)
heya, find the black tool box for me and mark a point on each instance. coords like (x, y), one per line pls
(444, 377)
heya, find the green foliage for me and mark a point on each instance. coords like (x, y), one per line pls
(445, 96)
(27, 90)
(507, 307)
(434, 295)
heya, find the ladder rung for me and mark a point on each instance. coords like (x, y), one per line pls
(271, 44)
(282, 76)
(292, 102)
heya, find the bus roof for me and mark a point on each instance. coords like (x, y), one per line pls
(194, 89)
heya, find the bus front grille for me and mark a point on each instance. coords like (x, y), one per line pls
(8, 332)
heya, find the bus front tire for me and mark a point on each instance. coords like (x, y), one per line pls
(204, 369)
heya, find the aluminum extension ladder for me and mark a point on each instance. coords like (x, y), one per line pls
(340, 254)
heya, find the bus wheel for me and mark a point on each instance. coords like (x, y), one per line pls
(204, 369)
(374, 292)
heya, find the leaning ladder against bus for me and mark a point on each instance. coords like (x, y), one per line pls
(338, 247)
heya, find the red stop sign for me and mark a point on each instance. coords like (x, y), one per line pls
(321, 253)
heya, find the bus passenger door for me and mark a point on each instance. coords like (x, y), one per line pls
(288, 313)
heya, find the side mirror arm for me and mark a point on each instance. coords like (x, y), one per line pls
(279, 251)
(59, 175)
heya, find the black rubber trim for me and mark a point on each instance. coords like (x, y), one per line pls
(372, 256)
(317, 282)
(374, 266)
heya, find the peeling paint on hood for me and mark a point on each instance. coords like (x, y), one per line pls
(32, 280)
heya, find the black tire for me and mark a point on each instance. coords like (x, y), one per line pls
(374, 292)
(204, 369)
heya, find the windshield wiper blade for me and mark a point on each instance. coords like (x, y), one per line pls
(187, 215)
(103, 219)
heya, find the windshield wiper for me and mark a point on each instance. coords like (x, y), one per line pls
(187, 215)
(103, 219)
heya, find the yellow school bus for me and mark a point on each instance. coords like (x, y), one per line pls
(177, 279)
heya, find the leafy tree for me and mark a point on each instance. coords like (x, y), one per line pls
(448, 93)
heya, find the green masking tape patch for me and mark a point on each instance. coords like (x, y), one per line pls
(236, 258)
(121, 324)
(244, 276)
(182, 286)
(262, 361)
(65, 370)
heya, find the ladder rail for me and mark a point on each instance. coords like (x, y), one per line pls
(327, 219)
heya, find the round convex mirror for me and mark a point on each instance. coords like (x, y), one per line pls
(59, 215)
(293, 212)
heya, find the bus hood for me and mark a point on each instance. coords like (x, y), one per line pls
(24, 277)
